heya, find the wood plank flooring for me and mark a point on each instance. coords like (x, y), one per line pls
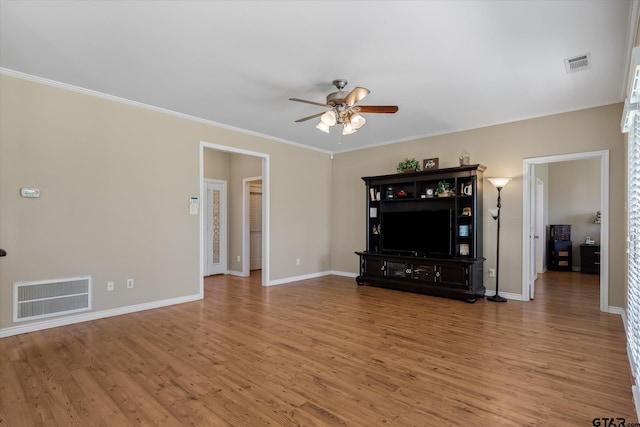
(326, 352)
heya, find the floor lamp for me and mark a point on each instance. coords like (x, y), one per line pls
(499, 183)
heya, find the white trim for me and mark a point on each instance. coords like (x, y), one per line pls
(527, 164)
(617, 310)
(343, 273)
(266, 195)
(236, 273)
(298, 278)
(37, 326)
(94, 93)
(634, 17)
(507, 295)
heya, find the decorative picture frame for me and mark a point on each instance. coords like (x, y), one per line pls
(432, 163)
(464, 249)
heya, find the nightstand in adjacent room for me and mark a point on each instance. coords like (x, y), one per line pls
(560, 255)
(590, 259)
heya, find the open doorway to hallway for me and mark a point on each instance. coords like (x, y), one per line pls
(234, 165)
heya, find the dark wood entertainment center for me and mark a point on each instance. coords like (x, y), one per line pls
(441, 255)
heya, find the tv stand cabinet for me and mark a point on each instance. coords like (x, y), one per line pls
(459, 275)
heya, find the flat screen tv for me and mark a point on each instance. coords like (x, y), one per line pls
(423, 233)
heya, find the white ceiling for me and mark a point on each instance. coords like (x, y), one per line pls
(449, 65)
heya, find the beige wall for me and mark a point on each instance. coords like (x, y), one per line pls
(115, 182)
(215, 164)
(502, 149)
(574, 198)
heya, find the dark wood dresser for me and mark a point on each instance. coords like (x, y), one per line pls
(590, 259)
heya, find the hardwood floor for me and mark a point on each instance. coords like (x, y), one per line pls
(326, 352)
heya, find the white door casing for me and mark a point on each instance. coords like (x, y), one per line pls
(528, 171)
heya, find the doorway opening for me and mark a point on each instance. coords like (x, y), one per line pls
(264, 214)
(529, 259)
(252, 224)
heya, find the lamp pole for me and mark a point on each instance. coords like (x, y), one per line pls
(499, 183)
(496, 297)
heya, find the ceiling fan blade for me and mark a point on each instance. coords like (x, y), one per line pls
(309, 102)
(389, 109)
(304, 119)
(356, 95)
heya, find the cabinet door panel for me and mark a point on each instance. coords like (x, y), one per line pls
(454, 275)
(373, 266)
(397, 269)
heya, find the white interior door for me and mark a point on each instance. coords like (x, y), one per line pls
(215, 228)
(255, 226)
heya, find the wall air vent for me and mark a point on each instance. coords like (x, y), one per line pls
(46, 298)
(578, 63)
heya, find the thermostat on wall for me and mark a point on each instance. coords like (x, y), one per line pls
(29, 192)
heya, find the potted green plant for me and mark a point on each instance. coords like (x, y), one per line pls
(408, 165)
(443, 189)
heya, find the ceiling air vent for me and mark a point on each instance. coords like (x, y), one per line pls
(578, 63)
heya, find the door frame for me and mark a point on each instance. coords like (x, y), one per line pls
(265, 206)
(224, 231)
(528, 172)
(246, 245)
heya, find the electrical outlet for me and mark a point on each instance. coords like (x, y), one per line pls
(110, 286)
(238, 258)
(297, 261)
(492, 272)
(129, 283)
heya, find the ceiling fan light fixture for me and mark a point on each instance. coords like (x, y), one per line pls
(357, 121)
(342, 109)
(348, 129)
(323, 127)
(329, 118)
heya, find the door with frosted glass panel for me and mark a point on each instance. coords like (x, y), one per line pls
(215, 227)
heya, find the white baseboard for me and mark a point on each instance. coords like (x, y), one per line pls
(95, 315)
(311, 276)
(343, 273)
(507, 295)
(236, 273)
(618, 310)
(297, 278)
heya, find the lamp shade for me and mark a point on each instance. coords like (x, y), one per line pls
(357, 121)
(348, 129)
(323, 127)
(499, 182)
(328, 118)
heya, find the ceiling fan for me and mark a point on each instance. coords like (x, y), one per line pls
(343, 109)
